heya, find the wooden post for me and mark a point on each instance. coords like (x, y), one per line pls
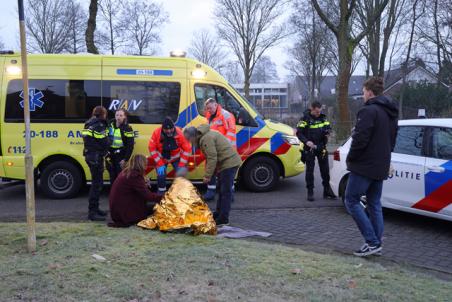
(29, 177)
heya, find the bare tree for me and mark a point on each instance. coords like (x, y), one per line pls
(376, 43)
(250, 28)
(111, 38)
(142, 21)
(232, 72)
(265, 71)
(91, 27)
(47, 25)
(341, 25)
(312, 55)
(207, 49)
(417, 10)
(77, 23)
(436, 36)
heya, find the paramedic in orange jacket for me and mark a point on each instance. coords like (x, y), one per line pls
(222, 121)
(169, 146)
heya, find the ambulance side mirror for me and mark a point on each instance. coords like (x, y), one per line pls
(245, 119)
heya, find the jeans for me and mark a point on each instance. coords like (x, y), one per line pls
(226, 182)
(323, 165)
(161, 179)
(370, 226)
(95, 162)
(212, 185)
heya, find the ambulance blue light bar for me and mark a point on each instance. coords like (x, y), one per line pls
(145, 72)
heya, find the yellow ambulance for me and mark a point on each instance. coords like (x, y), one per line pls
(64, 89)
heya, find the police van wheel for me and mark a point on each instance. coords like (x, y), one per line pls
(261, 174)
(60, 179)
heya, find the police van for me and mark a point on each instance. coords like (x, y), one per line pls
(63, 90)
(421, 180)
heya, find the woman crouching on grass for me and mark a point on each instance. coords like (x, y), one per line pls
(130, 194)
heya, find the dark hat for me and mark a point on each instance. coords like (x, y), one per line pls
(168, 123)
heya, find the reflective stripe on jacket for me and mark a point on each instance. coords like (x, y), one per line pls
(314, 129)
(122, 138)
(95, 136)
(223, 122)
(182, 153)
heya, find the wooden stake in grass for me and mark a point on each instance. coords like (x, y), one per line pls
(29, 177)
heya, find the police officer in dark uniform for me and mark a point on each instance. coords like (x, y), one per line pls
(313, 130)
(95, 138)
(122, 142)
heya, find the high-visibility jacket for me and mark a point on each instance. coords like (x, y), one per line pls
(224, 122)
(122, 139)
(314, 129)
(181, 153)
(95, 136)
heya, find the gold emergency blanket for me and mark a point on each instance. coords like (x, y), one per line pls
(181, 208)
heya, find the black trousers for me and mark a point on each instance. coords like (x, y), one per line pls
(113, 166)
(322, 158)
(95, 161)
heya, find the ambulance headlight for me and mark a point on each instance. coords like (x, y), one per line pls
(291, 140)
(198, 73)
(13, 70)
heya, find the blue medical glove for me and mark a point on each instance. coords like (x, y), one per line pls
(161, 170)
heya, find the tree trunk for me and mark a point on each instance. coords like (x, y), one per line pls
(112, 46)
(246, 86)
(438, 42)
(345, 50)
(407, 60)
(91, 28)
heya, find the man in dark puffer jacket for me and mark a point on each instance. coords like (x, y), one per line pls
(368, 161)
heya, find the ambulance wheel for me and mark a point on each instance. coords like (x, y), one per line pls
(61, 179)
(261, 174)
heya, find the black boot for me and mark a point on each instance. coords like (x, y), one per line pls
(311, 195)
(94, 216)
(328, 193)
(101, 213)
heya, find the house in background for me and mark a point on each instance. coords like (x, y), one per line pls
(286, 101)
(416, 72)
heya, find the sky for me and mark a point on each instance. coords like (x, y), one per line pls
(186, 17)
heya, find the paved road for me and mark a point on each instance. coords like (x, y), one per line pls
(322, 224)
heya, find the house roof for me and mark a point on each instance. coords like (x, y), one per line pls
(392, 77)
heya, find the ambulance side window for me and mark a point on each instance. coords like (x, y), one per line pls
(53, 101)
(146, 102)
(442, 143)
(410, 140)
(225, 99)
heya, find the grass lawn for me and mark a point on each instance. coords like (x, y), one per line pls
(143, 265)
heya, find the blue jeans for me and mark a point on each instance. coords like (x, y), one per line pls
(371, 226)
(226, 182)
(161, 180)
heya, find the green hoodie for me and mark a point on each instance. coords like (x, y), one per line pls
(218, 151)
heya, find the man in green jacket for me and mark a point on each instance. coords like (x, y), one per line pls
(221, 158)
